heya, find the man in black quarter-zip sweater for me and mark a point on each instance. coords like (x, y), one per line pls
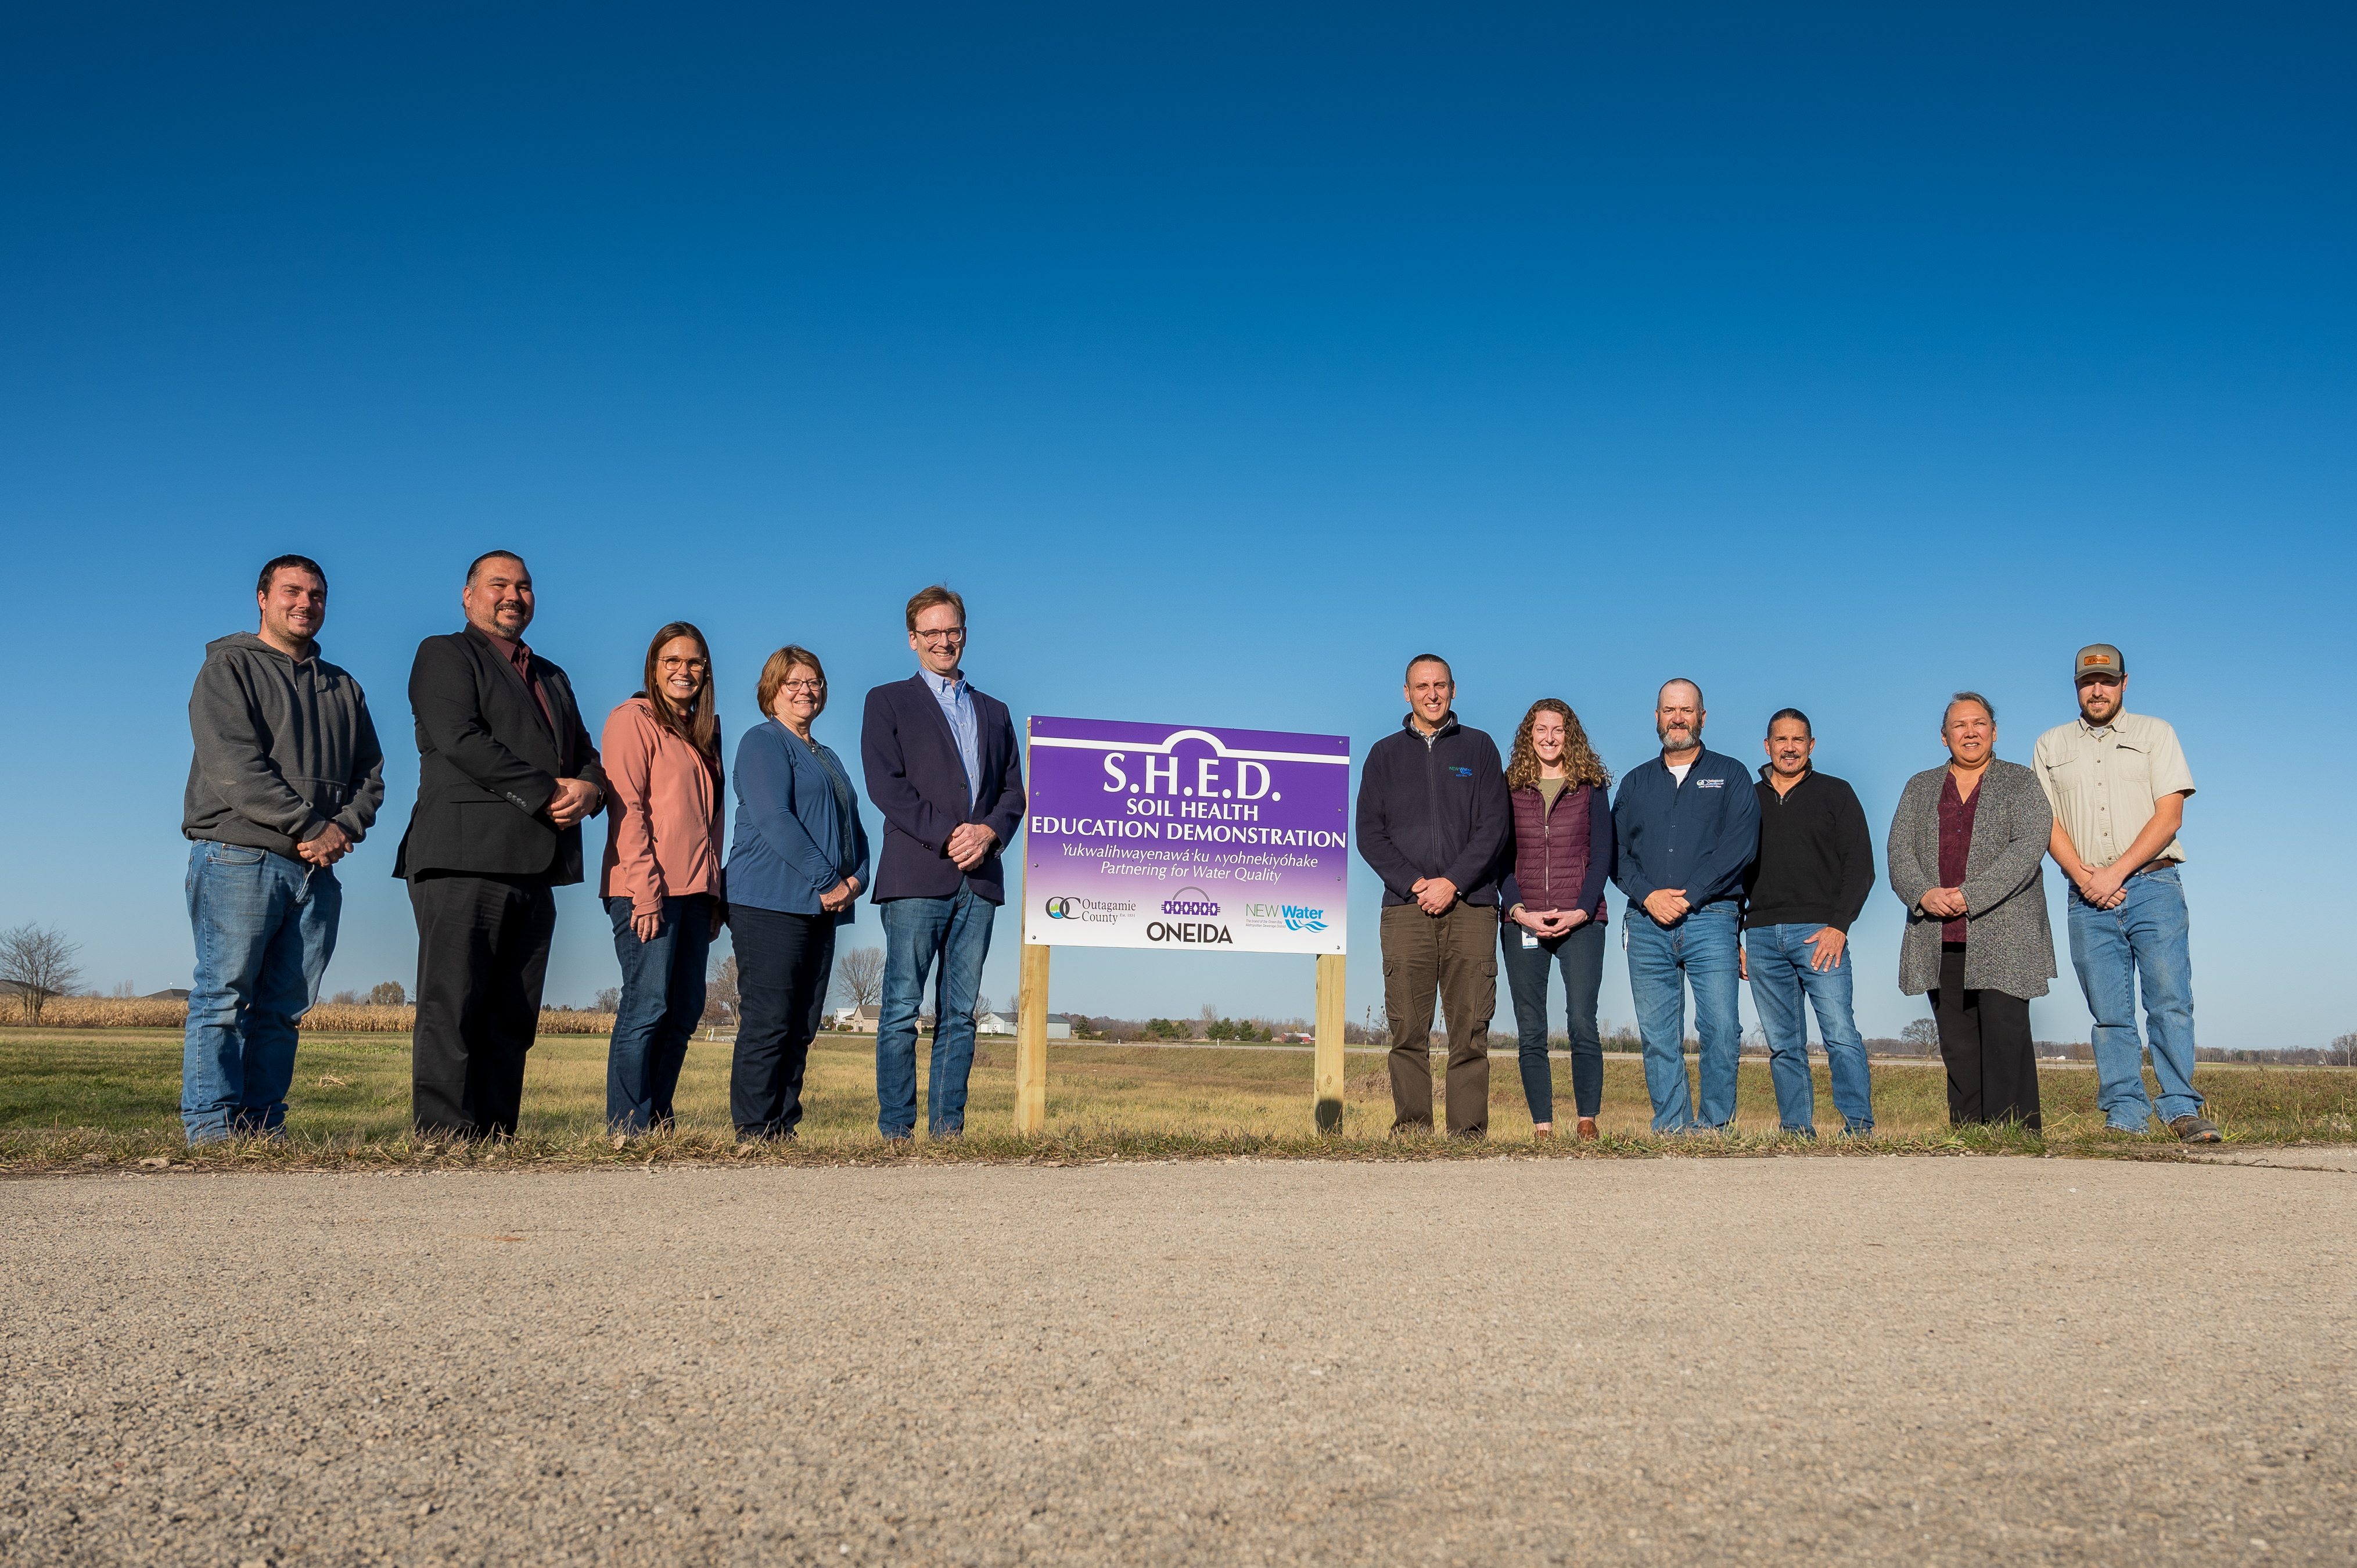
(1432, 823)
(1814, 870)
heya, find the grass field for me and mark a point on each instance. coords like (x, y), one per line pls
(72, 1095)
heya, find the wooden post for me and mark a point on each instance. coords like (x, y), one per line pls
(1032, 1042)
(1326, 1058)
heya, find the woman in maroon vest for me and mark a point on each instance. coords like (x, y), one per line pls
(1560, 853)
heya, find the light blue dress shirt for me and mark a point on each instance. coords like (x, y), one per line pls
(957, 706)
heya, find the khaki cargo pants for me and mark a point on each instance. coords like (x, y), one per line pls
(1457, 955)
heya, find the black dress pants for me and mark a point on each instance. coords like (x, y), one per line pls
(482, 957)
(1984, 1040)
(783, 963)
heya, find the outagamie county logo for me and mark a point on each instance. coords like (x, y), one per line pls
(1188, 901)
(1093, 911)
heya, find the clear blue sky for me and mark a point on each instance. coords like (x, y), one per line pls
(1223, 355)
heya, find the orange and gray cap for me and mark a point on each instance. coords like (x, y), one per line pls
(2098, 659)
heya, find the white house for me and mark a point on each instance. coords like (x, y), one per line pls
(993, 1024)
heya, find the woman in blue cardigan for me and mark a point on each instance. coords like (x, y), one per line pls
(795, 869)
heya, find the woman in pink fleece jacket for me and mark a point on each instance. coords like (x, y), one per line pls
(662, 876)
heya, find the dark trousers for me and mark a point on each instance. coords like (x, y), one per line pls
(1457, 954)
(784, 962)
(662, 1001)
(1984, 1040)
(1580, 954)
(482, 955)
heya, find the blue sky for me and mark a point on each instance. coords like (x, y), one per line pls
(1224, 357)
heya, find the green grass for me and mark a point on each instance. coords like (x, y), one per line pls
(70, 1097)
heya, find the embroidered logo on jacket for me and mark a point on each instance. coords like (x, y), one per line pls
(1710, 783)
(1462, 772)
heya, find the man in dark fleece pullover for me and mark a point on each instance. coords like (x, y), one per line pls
(286, 778)
(1688, 826)
(1432, 823)
(1814, 870)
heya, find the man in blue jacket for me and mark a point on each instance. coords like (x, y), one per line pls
(1688, 825)
(943, 768)
(1432, 822)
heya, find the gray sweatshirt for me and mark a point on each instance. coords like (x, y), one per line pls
(283, 750)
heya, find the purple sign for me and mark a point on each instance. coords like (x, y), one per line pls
(1185, 837)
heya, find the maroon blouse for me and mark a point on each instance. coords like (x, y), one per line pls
(1956, 847)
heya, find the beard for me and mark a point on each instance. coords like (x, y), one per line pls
(1687, 739)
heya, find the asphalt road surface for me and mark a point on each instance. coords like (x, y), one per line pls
(1678, 1360)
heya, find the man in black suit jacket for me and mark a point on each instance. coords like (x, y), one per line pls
(505, 775)
(943, 768)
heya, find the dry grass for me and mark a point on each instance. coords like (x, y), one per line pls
(328, 1017)
(70, 1097)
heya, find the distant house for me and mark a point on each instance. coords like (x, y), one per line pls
(993, 1024)
(1059, 1026)
(170, 993)
(863, 1020)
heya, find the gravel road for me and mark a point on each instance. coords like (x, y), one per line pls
(1673, 1360)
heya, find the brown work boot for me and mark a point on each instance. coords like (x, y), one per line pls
(1586, 1134)
(2194, 1129)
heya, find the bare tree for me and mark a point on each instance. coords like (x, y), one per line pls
(720, 997)
(39, 961)
(859, 976)
(610, 999)
(388, 994)
(2347, 1046)
(1924, 1034)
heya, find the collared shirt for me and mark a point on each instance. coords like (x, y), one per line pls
(519, 656)
(957, 706)
(2104, 783)
(1956, 815)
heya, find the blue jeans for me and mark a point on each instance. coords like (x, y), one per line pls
(2145, 939)
(663, 1000)
(265, 927)
(1580, 954)
(1780, 979)
(918, 933)
(1662, 961)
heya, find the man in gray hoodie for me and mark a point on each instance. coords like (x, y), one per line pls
(286, 778)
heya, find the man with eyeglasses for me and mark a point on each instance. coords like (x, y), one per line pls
(944, 767)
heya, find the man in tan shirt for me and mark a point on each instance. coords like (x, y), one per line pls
(2118, 784)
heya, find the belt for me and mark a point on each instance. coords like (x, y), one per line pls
(2150, 866)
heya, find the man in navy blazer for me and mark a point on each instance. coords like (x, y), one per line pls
(943, 768)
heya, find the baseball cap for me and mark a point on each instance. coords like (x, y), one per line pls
(2098, 659)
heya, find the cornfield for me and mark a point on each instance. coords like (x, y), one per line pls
(328, 1017)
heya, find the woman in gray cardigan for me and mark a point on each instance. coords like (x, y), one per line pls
(1965, 853)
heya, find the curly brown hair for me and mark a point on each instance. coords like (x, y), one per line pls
(1581, 762)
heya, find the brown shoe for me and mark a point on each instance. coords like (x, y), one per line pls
(1544, 1129)
(2195, 1130)
(1586, 1129)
